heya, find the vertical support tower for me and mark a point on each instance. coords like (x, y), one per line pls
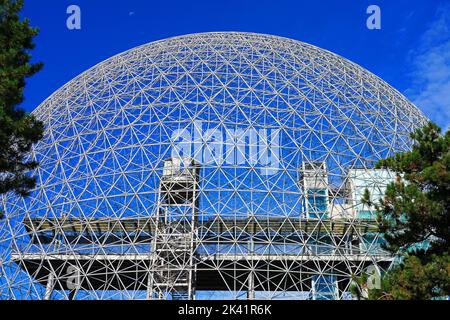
(314, 178)
(172, 274)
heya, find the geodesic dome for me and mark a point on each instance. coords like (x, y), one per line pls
(216, 165)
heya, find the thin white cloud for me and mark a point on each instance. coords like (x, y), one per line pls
(431, 70)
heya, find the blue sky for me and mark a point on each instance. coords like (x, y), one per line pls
(411, 51)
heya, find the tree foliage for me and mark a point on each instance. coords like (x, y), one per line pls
(18, 129)
(415, 219)
(415, 209)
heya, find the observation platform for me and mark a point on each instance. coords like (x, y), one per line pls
(126, 271)
(45, 229)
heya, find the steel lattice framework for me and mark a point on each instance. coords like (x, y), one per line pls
(216, 165)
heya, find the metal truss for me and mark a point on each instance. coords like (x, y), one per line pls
(120, 212)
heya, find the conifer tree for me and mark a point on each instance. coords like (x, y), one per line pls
(18, 129)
